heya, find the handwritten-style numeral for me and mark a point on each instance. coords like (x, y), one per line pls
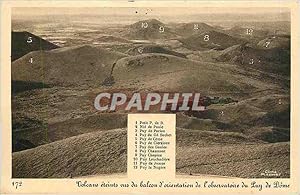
(251, 61)
(144, 25)
(249, 31)
(206, 38)
(140, 50)
(196, 27)
(161, 29)
(268, 43)
(29, 40)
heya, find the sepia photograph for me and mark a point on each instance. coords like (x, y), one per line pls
(77, 72)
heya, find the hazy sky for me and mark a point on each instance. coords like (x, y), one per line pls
(150, 11)
(164, 13)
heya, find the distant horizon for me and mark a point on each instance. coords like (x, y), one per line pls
(161, 13)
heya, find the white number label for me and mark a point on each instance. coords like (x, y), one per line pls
(251, 61)
(196, 27)
(31, 60)
(268, 43)
(140, 50)
(206, 38)
(161, 29)
(249, 31)
(144, 25)
(29, 40)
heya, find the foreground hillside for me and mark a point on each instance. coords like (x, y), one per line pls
(229, 155)
(87, 154)
(204, 152)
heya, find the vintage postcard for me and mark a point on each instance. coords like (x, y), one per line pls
(149, 96)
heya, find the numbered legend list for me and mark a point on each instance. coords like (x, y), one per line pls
(151, 144)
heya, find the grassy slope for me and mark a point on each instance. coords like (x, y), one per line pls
(229, 154)
(198, 152)
(87, 154)
(73, 65)
(169, 73)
